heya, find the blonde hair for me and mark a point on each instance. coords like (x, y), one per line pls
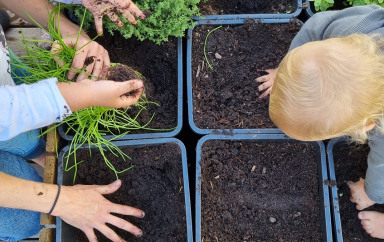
(335, 88)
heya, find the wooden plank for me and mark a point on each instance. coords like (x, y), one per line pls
(14, 37)
(52, 141)
(16, 21)
(50, 169)
(46, 235)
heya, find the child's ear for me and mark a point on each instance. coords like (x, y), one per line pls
(370, 126)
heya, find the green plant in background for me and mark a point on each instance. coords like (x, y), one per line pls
(365, 2)
(322, 5)
(89, 125)
(168, 18)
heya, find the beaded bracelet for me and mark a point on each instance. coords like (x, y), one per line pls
(54, 203)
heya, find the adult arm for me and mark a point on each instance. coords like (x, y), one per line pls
(26, 107)
(73, 204)
(39, 10)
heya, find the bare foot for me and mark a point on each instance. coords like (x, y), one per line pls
(40, 160)
(373, 223)
(358, 194)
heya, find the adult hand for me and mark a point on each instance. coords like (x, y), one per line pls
(111, 8)
(90, 57)
(84, 207)
(267, 81)
(358, 194)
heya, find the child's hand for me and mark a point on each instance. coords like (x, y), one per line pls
(268, 81)
(358, 194)
(90, 56)
(111, 8)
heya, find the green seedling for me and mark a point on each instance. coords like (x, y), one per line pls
(205, 45)
(322, 5)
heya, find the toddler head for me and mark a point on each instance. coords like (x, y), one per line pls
(330, 88)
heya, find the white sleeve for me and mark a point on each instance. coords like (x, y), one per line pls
(26, 107)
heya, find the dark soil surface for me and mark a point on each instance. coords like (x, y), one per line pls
(260, 192)
(154, 184)
(227, 96)
(158, 64)
(216, 7)
(351, 164)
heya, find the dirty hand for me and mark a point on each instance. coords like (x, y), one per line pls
(111, 8)
(84, 207)
(113, 94)
(268, 81)
(90, 57)
(358, 194)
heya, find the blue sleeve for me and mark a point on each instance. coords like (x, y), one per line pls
(68, 1)
(374, 178)
(26, 107)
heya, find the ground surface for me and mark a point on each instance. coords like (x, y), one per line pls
(154, 184)
(227, 96)
(213, 7)
(259, 192)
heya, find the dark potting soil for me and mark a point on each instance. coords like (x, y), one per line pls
(227, 96)
(351, 164)
(217, 7)
(154, 184)
(259, 192)
(158, 64)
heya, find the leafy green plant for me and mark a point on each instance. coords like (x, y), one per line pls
(322, 5)
(89, 125)
(365, 2)
(168, 18)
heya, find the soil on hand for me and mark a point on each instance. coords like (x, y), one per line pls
(227, 97)
(260, 192)
(122, 73)
(217, 7)
(351, 164)
(154, 184)
(158, 64)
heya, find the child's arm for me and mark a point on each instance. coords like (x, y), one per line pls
(27, 107)
(329, 24)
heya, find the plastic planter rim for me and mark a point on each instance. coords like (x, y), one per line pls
(179, 108)
(189, 78)
(258, 15)
(326, 215)
(335, 197)
(140, 143)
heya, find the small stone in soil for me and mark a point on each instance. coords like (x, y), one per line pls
(272, 219)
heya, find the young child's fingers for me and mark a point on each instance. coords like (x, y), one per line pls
(121, 3)
(106, 65)
(98, 66)
(78, 62)
(115, 19)
(129, 16)
(136, 11)
(98, 24)
(90, 61)
(266, 93)
(55, 51)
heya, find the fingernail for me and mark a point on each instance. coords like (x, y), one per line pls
(117, 182)
(142, 214)
(140, 84)
(138, 235)
(360, 215)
